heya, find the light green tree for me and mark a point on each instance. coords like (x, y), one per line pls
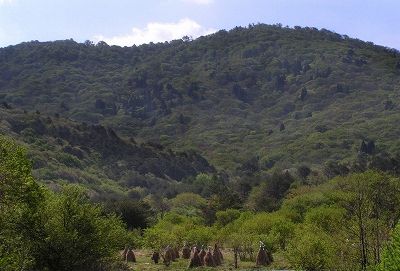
(20, 198)
(391, 254)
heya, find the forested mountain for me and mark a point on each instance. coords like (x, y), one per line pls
(274, 95)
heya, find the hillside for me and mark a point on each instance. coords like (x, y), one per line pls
(279, 97)
(64, 151)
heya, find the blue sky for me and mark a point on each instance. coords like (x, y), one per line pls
(125, 22)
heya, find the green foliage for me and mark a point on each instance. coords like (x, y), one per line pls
(267, 195)
(312, 250)
(355, 212)
(69, 160)
(77, 235)
(188, 204)
(20, 199)
(225, 217)
(16, 183)
(42, 230)
(175, 229)
(391, 254)
(321, 227)
(205, 184)
(326, 218)
(157, 239)
(200, 235)
(136, 215)
(371, 200)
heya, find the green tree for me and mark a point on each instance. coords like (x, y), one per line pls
(391, 254)
(268, 195)
(372, 200)
(311, 249)
(225, 217)
(78, 236)
(17, 185)
(42, 230)
(20, 198)
(135, 214)
(188, 204)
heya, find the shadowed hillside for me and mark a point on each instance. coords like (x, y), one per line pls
(95, 156)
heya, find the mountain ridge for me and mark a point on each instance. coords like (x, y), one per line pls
(284, 96)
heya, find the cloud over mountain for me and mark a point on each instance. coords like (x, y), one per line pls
(158, 32)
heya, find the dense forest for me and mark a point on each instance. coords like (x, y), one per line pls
(285, 137)
(275, 94)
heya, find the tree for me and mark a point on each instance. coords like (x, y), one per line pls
(268, 195)
(225, 217)
(17, 185)
(372, 200)
(77, 235)
(89, 43)
(311, 249)
(158, 204)
(41, 230)
(303, 171)
(188, 204)
(20, 198)
(391, 254)
(135, 214)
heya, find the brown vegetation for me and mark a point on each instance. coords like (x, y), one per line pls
(202, 254)
(264, 258)
(155, 257)
(176, 250)
(130, 256)
(185, 252)
(123, 254)
(217, 256)
(195, 260)
(169, 255)
(216, 248)
(208, 259)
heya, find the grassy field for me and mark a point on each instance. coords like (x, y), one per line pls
(144, 263)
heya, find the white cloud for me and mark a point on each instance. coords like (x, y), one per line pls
(199, 2)
(158, 32)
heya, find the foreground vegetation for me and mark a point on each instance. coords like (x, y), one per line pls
(343, 224)
(43, 230)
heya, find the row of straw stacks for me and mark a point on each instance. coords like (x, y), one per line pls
(211, 258)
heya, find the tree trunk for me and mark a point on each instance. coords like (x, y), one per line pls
(235, 253)
(363, 248)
